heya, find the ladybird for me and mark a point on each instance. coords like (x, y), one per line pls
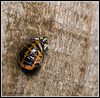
(32, 54)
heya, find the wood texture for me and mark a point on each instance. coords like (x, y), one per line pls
(71, 66)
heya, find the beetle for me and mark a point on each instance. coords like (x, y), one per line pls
(32, 54)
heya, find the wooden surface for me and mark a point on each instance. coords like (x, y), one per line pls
(71, 66)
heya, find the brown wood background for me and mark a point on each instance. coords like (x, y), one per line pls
(71, 67)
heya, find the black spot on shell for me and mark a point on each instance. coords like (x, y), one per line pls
(21, 55)
(38, 47)
(25, 49)
(29, 45)
(28, 61)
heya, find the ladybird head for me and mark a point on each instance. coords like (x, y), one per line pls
(43, 41)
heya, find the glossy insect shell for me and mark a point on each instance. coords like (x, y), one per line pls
(31, 54)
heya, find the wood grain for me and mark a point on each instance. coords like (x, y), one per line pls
(71, 66)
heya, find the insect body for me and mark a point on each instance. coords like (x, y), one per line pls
(32, 53)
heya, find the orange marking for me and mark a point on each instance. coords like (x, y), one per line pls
(26, 54)
(37, 56)
(29, 67)
(26, 67)
(39, 45)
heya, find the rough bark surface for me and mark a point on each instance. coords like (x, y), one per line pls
(71, 66)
